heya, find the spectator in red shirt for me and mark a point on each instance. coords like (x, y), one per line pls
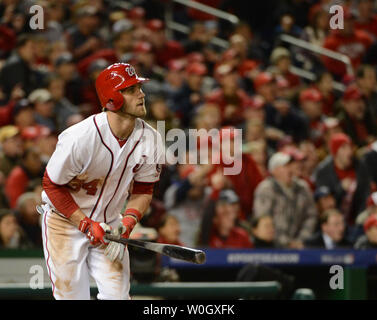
(367, 18)
(164, 49)
(224, 233)
(19, 178)
(355, 118)
(348, 41)
(231, 99)
(345, 176)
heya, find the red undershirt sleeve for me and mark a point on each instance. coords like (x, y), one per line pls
(143, 187)
(60, 196)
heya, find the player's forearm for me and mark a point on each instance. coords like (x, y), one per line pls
(139, 202)
(76, 217)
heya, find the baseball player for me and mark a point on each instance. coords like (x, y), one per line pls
(98, 164)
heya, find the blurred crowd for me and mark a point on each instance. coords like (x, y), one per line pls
(309, 151)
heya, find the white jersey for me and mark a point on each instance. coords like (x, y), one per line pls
(98, 170)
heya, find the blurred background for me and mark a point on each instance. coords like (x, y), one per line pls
(304, 95)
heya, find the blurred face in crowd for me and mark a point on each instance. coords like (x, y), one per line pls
(326, 202)
(56, 88)
(171, 230)
(27, 51)
(88, 24)
(349, 27)
(8, 227)
(13, 147)
(265, 229)
(194, 81)
(283, 64)
(209, 117)
(45, 109)
(32, 161)
(365, 9)
(67, 71)
(325, 85)
(224, 219)
(368, 81)
(284, 174)
(229, 83)
(322, 20)
(255, 130)
(267, 91)
(175, 78)
(312, 109)
(355, 108)
(334, 227)
(344, 156)
(159, 110)
(25, 118)
(124, 42)
(372, 234)
(311, 157)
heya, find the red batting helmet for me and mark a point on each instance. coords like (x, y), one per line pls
(114, 78)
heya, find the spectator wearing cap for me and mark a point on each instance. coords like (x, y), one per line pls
(288, 200)
(345, 41)
(137, 16)
(346, 177)
(186, 101)
(122, 45)
(231, 99)
(355, 118)
(369, 239)
(280, 60)
(311, 105)
(17, 69)
(279, 114)
(324, 199)
(83, 37)
(367, 83)
(332, 233)
(219, 226)
(263, 232)
(164, 49)
(44, 108)
(11, 148)
(30, 168)
(63, 107)
(198, 38)
(66, 69)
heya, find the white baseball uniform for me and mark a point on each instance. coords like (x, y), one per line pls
(98, 171)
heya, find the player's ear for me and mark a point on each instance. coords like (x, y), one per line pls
(110, 105)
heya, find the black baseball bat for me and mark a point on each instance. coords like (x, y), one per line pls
(170, 250)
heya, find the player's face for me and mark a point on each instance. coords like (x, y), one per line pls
(134, 101)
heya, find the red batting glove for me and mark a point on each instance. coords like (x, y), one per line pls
(95, 231)
(131, 218)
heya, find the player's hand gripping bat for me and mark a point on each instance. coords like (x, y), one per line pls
(173, 251)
